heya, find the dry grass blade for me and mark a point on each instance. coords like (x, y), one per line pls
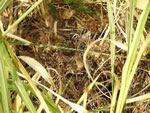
(38, 68)
(74, 106)
(139, 98)
(18, 38)
(120, 45)
(85, 60)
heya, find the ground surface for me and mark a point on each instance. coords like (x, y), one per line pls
(71, 28)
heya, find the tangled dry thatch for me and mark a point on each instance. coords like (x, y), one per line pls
(65, 32)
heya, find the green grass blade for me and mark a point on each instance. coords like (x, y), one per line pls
(1, 111)
(136, 40)
(144, 45)
(28, 78)
(53, 107)
(4, 4)
(4, 86)
(130, 24)
(115, 93)
(112, 35)
(22, 92)
(131, 59)
(19, 86)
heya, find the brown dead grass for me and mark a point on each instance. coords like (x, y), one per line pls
(76, 29)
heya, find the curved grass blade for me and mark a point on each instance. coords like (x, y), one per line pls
(38, 68)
